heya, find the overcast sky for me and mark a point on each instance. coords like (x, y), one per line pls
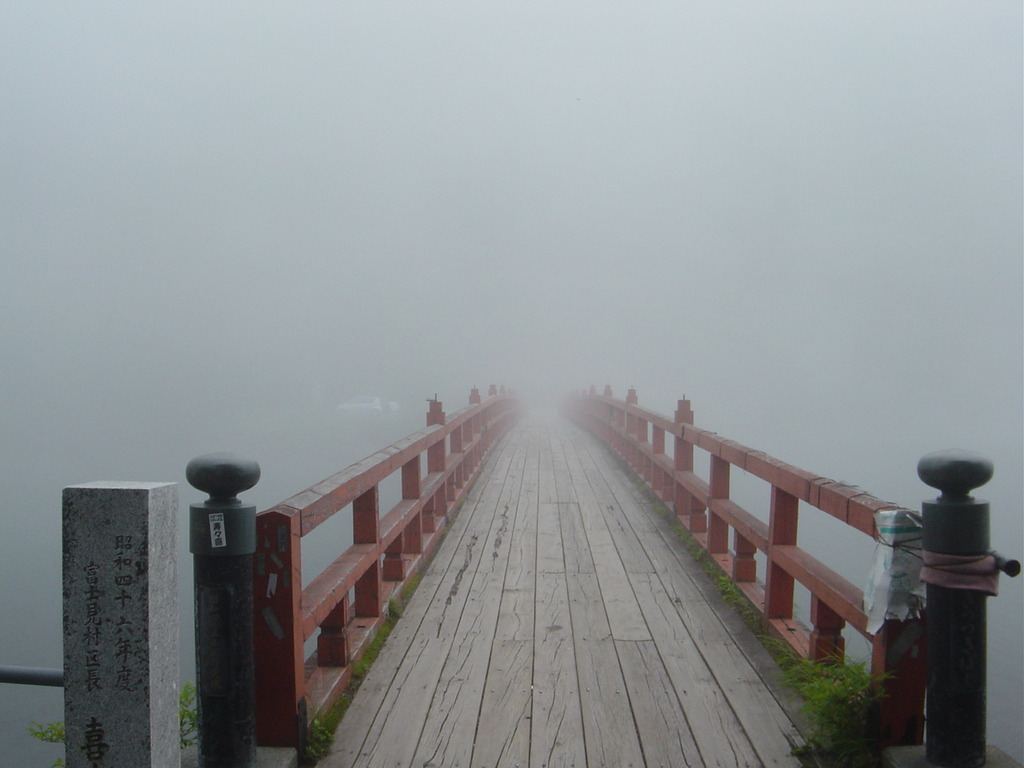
(806, 216)
(798, 211)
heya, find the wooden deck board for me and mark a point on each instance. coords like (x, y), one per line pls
(560, 624)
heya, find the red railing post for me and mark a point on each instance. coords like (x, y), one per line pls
(718, 488)
(277, 630)
(782, 527)
(394, 555)
(456, 447)
(826, 638)
(643, 462)
(744, 566)
(627, 440)
(366, 530)
(436, 462)
(689, 511)
(899, 660)
(660, 480)
(332, 643)
(411, 478)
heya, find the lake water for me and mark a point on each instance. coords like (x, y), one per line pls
(296, 448)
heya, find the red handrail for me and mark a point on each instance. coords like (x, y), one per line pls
(706, 511)
(347, 601)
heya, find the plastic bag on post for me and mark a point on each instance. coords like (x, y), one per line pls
(894, 589)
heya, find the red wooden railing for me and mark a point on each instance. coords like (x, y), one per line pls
(706, 511)
(347, 601)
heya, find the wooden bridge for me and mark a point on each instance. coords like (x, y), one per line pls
(560, 621)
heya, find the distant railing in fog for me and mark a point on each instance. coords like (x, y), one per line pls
(706, 511)
(347, 601)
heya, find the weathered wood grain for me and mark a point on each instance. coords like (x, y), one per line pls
(660, 721)
(557, 724)
(609, 727)
(386, 728)
(561, 624)
(503, 729)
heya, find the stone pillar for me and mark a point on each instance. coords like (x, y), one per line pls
(120, 625)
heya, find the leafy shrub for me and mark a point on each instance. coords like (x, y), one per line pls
(839, 699)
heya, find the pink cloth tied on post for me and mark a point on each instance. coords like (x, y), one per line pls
(974, 572)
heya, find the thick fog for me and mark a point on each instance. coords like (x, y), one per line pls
(218, 221)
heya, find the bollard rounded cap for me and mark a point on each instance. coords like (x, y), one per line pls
(956, 473)
(222, 475)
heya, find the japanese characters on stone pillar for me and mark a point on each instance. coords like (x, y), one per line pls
(120, 625)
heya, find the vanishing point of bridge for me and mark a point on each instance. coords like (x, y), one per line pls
(559, 620)
(562, 624)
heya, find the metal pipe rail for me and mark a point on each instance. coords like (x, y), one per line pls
(32, 676)
(706, 511)
(347, 601)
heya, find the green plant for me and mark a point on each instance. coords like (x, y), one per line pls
(839, 698)
(188, 716)
(188, 723)
(52, 733)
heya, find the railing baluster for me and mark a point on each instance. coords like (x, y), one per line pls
(368, 593)
(659, 480)
(688, 510)
(826, 639)
(366, 517)
(366, 530)
(332, 643)
(744, 567)
(782, 526)
(718, 488)
(394, 560)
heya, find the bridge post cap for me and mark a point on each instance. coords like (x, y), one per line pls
(222, 475)
(955, 472)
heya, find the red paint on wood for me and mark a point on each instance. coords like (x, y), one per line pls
(366, 517)
(718, 488)
(733, 452)
(332, 642)
(411, 478)
(368, 592)
(744, 567)
(782, 529)
(658, 440)
(277, 628)
(683, 414)
(899, 651)
(826, 639)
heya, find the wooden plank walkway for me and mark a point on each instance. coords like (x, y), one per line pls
(562, 624)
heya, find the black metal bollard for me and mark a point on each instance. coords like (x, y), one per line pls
(960, 573)
(222, 539)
